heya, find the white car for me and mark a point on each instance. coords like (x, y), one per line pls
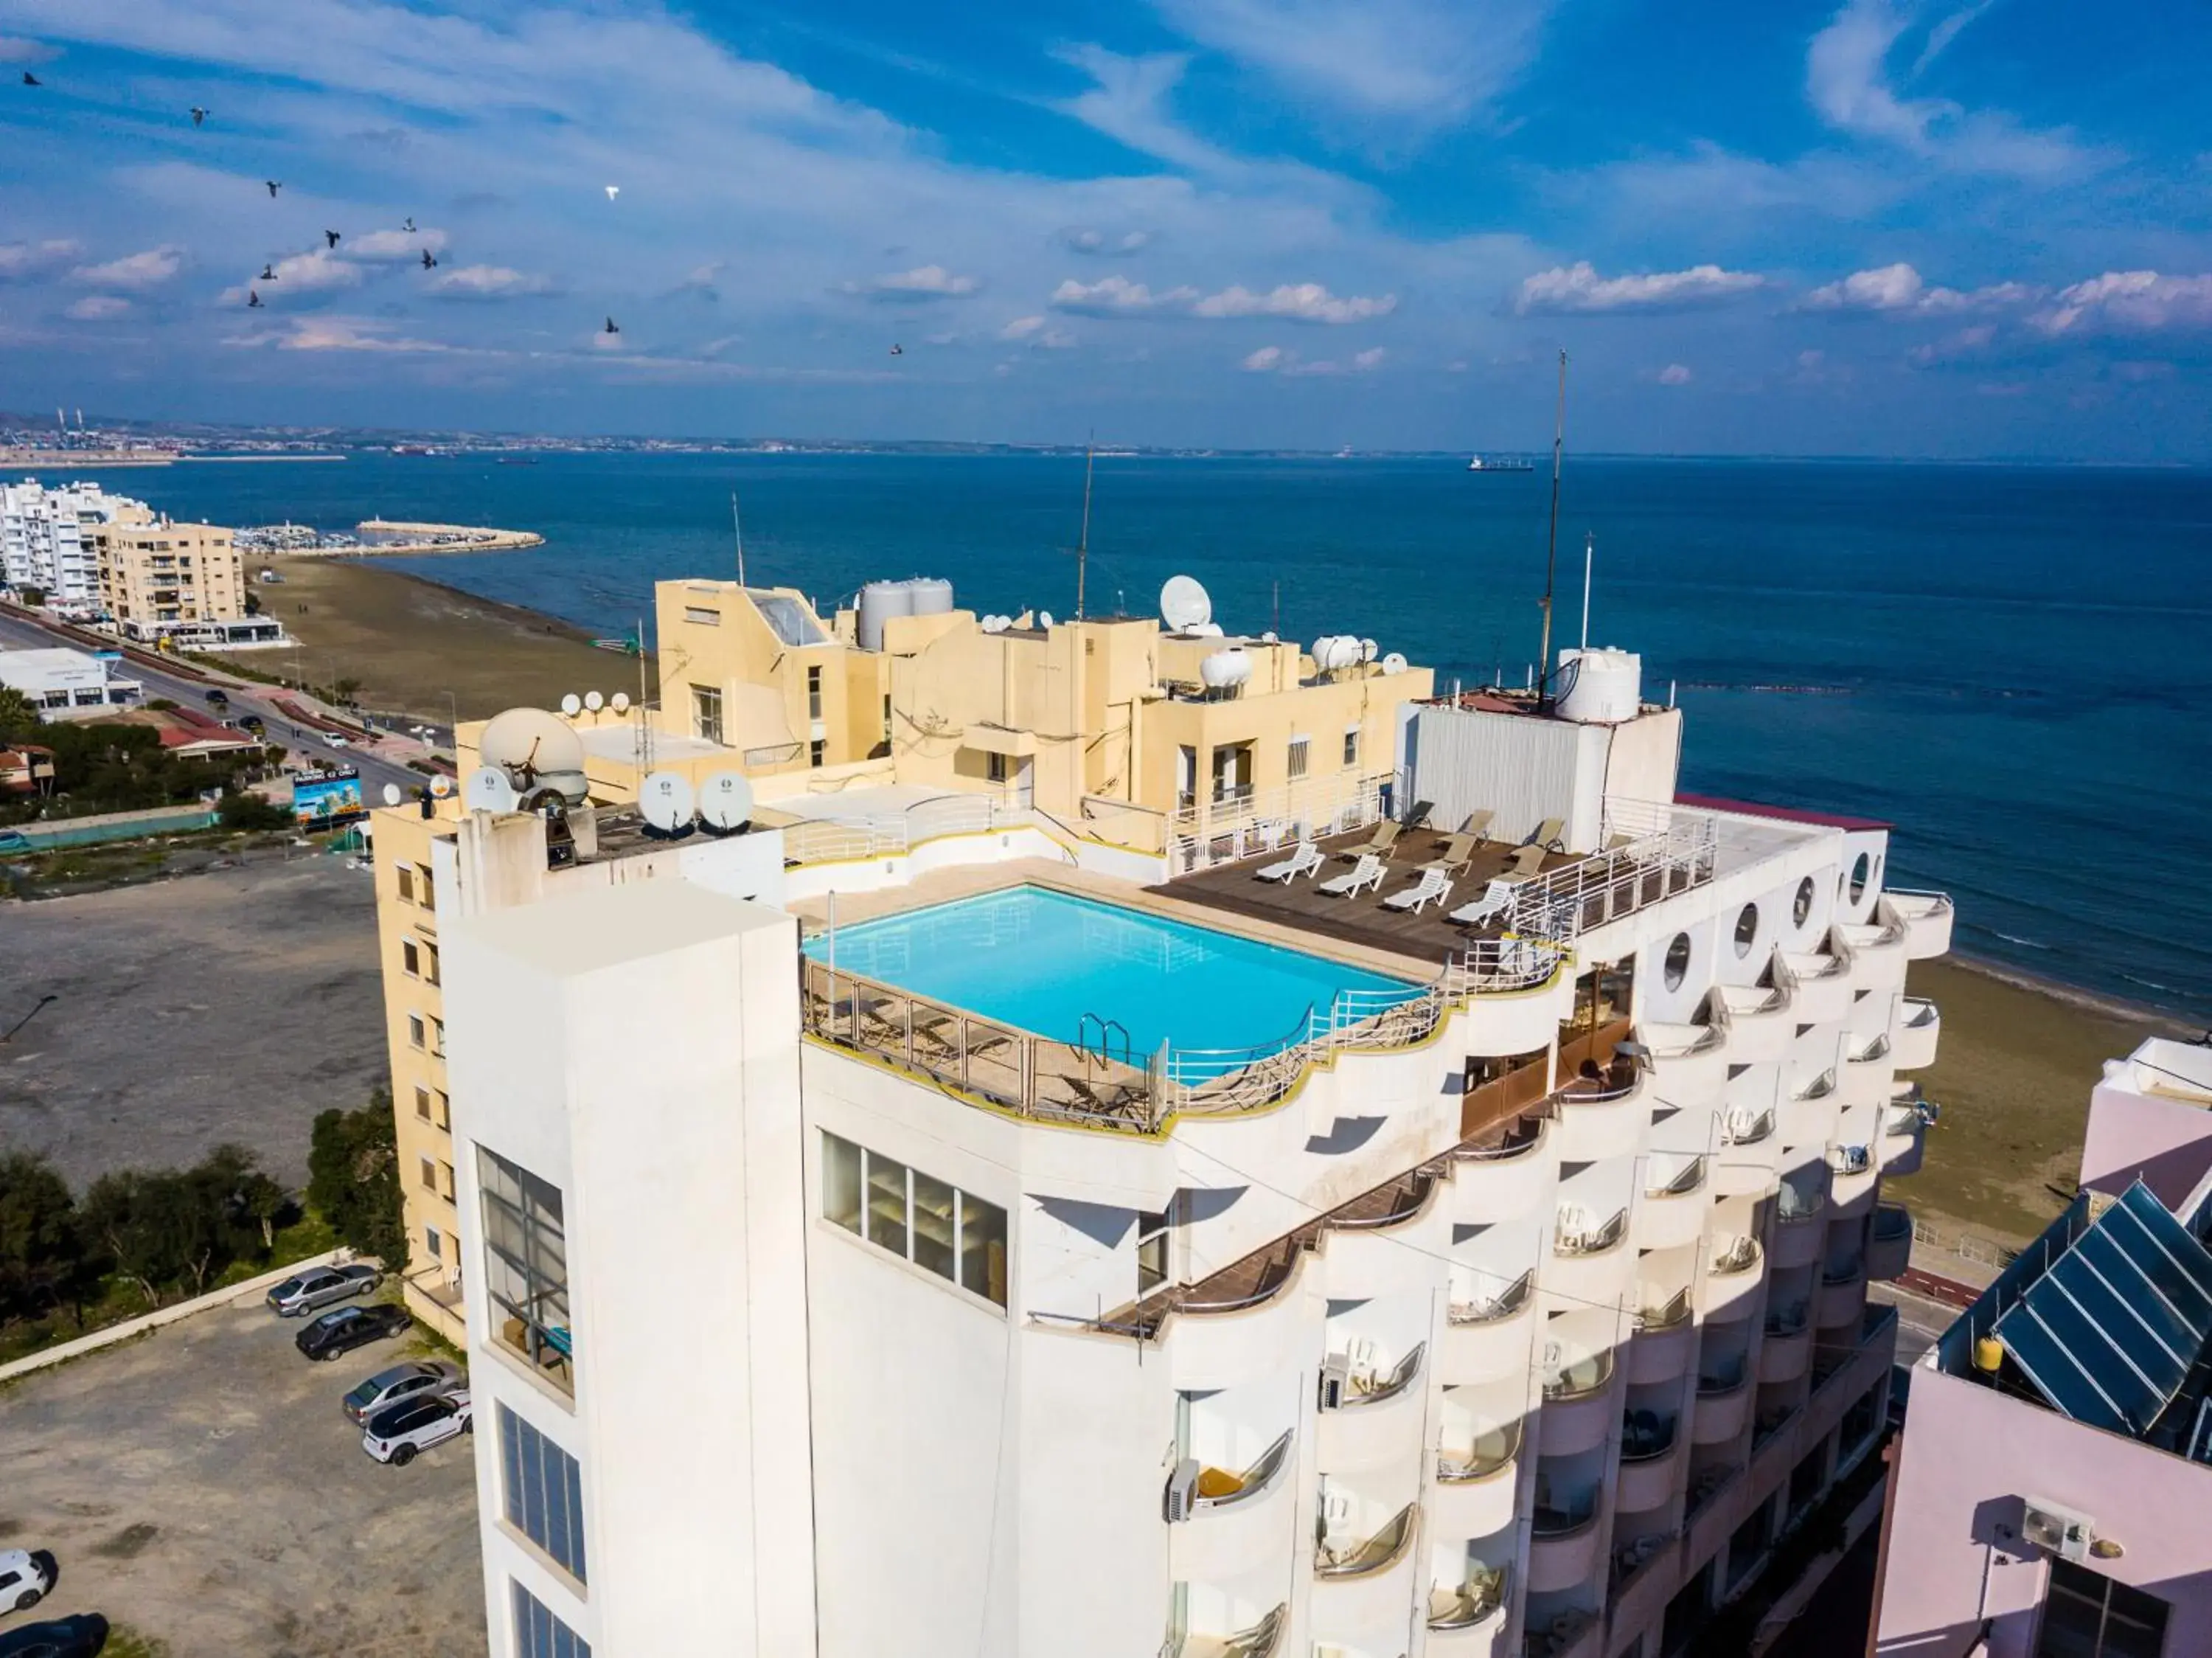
(25, 1576)
(405, 1430)
(334, 740)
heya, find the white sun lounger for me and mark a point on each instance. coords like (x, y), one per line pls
(1365, 874)
(1304, 860)
(1433, 887)
(1496, 900)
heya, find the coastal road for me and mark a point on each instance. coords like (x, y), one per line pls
(246, 698)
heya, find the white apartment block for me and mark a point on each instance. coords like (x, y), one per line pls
(1514, 1310)
(47, 537)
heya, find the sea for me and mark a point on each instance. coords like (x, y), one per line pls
(2013, 664)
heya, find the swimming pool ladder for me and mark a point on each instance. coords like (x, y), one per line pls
(1103, 1050)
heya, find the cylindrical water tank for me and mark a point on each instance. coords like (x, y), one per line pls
(1604, 687)
(1333, 652)
(879, 601)
(932, 595)
(1224, 669)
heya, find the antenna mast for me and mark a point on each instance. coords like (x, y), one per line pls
(1083, 544)
(1551, 544)
(644, 732)
(739, 530)
(1589, 552)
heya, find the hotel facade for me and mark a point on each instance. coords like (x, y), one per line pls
(830, 1285)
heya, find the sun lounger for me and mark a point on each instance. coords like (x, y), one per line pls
(1306, 860)
(1378, 844)
(1477, 826)
(1418, 817)
(1523, 864)
(1433, 887)
(1458, 853)
(1490, 907)
(1363, 876)
(1548, 835)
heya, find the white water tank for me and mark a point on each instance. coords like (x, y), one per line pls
(1333, 652)
(879, 602)
(932, 595)
(1224, 669)
(1604, 687)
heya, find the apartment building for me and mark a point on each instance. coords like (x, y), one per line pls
(1007, 1240)
(2048, 1493)
(47, 538)
(159, 577)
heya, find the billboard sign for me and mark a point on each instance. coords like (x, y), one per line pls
(322, 802)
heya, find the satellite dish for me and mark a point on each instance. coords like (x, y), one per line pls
(391, 794)
(1205, 630)
(572, 704)
(1184, 605)
(488, 791)
(535, 749)
(1367, 651)
(442, 785)
(1395, 662)
(1044, 619)
(619, 702)
(1268, 638)
(666, 800)
(726, 803)
(593, 701)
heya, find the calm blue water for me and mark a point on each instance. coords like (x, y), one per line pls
(1042, 959)
(2013, 664)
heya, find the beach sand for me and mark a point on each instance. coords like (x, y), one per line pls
(409, 642)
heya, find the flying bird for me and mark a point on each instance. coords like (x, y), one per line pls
(199, 115)
(331, 238)
(274, 186)
(30, 79)
(429, 260)
(613, 190)
(252, 300)
(611, 327)
(898, 350)
(268, 273)
(409, 226)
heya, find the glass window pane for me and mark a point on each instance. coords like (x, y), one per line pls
(840, 1182)
(887, 1203)
(932, 1224)
(983, 1247)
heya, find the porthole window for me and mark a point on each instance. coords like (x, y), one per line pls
(1875, 879)
(1860, 868)
(1747, 929)
(1678, 961)
(1802, 905)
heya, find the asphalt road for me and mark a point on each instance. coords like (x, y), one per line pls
(246, 698)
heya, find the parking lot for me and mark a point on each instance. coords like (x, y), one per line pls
(202, 1486)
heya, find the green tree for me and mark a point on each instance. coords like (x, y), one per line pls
(246, 810)
(353, 1179)
(177, 1230)
(42, 1256)
(19, 718)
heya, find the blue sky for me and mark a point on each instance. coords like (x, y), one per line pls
(1982, 228)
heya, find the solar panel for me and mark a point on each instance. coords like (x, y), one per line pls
(2109, 1333)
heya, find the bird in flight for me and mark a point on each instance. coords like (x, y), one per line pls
(429, 260)
(409, 226)
(268, 273)
(331, 238)
(274, 186)
(30, 79)
(898, 350)
(199, 115)
(611, 327)
(252, 300)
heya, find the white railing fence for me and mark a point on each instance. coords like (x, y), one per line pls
(837, 840)
(1206, 831)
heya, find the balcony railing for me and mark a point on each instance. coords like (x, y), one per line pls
(1370, 1387)
(1747, 1128)
(1791, 1319)
(1793, 1203)
(1263, 1640)
(1685, 1180)
(1819, 1087)
(1734, 1255)
(1463, 1608)
(1562, 1517)
(1666, 1315)
(1850, 1270)
(1850, 1159)
(1891, 1223)
(1375, 1554)
(1217, 1488)
(1869, 1052)
(1490, 1309)
(1491, 1451)
(1202, 833)
(1646, 1435)
(1567, 1379)
(1723, 1375)
(1669, 852)
(1577, 1237)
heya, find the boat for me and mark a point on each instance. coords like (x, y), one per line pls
(1477, 464)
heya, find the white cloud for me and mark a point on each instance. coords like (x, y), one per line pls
(1274, 360)
(1847, 79)
(1106, 244)
(135, 271)
(2129, 302)
(1020, 328)
(15, 50)
(303, 276)
(1128, 102)
(1371, 358)
(1578, 288)
(1265, 361)
(98, 307)
(391, 246)
(24, 261)
(328, 333)
(489, 282)
(923, 282)
(1676, 374)
(1899, 289)
(1116, 297)
(1303, 302)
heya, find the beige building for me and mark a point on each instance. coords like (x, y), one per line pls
(158, 576)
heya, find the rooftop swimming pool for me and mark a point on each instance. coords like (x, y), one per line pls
(1042, 960)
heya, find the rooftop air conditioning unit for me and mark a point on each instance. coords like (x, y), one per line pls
(1335, 1382)
(2057, 1531)
(1182, 1491)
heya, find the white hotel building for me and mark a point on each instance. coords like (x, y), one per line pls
(1519, 1309)
(47, 537)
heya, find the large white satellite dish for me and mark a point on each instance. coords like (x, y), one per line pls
(1184, 604)
(442, 785)
(488, 790)
(572, 704)
(391, 794)
(726, 803)
(619, 702)
(536, 750)
(666, 800)
(594, 702)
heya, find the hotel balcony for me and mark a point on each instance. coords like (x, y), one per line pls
(1363, 1584)
(1370, 1418)
(1578, 1400)
(1749, 1144)
(1486, 1333)
(1853, 1174)
(1225, 1524)
(1469, 1616)
(1476, 1487)
(1800, 1228)
(1564, 1540)
(1761, 1024)
(1650, 1457)
(1591, 1261)
(1889, 1242)
(1878, 957)
(1673, 1212)
(1813, 1108)
(1262, 1640)
(1788, 1349)
(1725, 1393)
(1510, 1178)
(1820, 985)
(1602, 1116)
(1688, 1062)
(1733, 1279)
(1903, 1133)
(1665, 1335)
(1841, 1298)
(1927, 918)
(1919, 1025)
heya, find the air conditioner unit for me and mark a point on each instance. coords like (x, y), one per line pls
(1182, 1491)
(1335, 1382)
(2057, 1531)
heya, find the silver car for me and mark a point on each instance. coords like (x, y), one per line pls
(418, 1379)
(318, 1287)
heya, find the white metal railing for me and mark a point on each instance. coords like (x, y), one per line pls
(1745, 1127)
(1488, 1309)
(1650, 852)
(1577, 1236)
(1204, 831)
(1850, 1159)
(1663, 1314)
(1254, 1479)
(837, 840)
(1658, 1183)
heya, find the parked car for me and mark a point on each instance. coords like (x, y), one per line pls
(404, 1431)
(27, 1575)
(402, 1382)
(79, 1637)
(345, 1328)
(303, 1292)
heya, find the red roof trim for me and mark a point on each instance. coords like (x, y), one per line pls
(1786, 814)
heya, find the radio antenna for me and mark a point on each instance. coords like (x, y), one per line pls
(1083, 543)
(1551, 542)
(737, 529)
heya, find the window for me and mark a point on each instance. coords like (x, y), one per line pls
(916, 1216)
(539, 1634)
(707, 713)
(1747, 929)
(1802, 905)
(814, 692)
(430, 964)
(699, 616)
(542, 1487)
(2088, 1615)
(432, 1244)
(887, 717)
(429, 1174)
(444, 1110)
(417, 1032)
(817, 752)
(526, 1262)
(422, 1103)
(438, 1037)
(1297, 766)
(411, 958)
(1352, 746)
(1859, 870)
(995, 767)
(1152, 1236)
(427, 891)
(1677, 965)
(446, 1169)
